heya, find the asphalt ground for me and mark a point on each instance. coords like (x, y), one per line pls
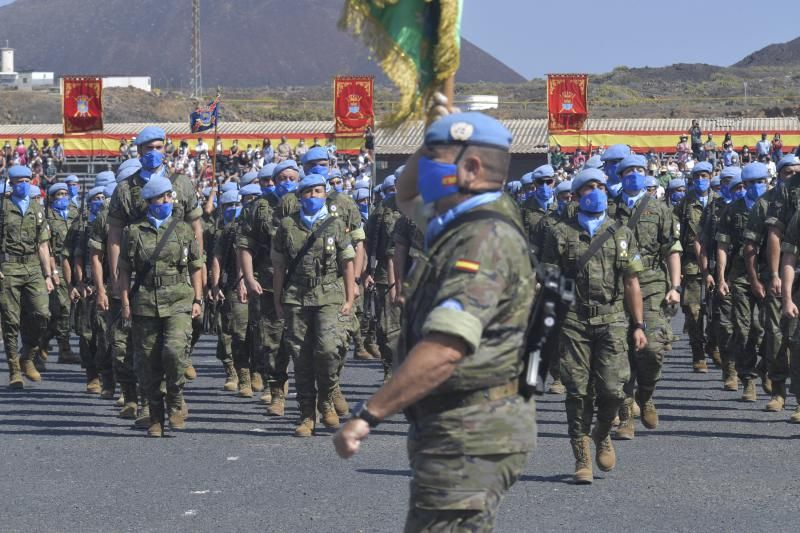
(713, 464)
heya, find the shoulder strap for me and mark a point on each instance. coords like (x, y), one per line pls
(477, 215)
(634, 220)
(596, 244)
(156, 252)
(304, 250)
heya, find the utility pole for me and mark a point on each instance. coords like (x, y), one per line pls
(197, 64)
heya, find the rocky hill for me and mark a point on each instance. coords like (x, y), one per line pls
(774, 55)
(245, 43)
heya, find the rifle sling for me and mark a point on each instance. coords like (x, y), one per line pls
(148, 266)
(595, 246)
(304, 250)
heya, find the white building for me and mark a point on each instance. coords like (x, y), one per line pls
(7, 75)
(142, 83)
(30, 80)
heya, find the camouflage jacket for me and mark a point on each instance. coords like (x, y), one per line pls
(225, 252)
(380, 229)
(784, 205)
(689, 213)
(339, 205)
(316, 280)
(23, 234)
(532, 213)
(61, 232)
(166, 289)
(599, 288)
(408, 234)
(732, 225)
(128, 207)
(757, 229)
(97, 239)
(256, 230)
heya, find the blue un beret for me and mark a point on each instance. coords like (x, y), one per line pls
(334, 173)
(650, 181)
(150, 133)
(18, 172)
(229, 186)
(731, 172)
(283, 165)
(514, 186)
(35, 192)
(128, 168)
(594, 162)
(471, 128)
(230, 197)
(312, 180)
(248, 178)
(754, 171)
(585, 176)
(361, 194)
(715, 181)
(629, 161)
(157, 186)
(94, 191)
(72, 178)
(363, 183)
(527, 178)
(54, 188)
(787, 161)
(389, 181)
(266, 171)
(735, 180)
(564, 186)
(315, 154)
(104, 178)
(544, 171)
(676, 183)
(616, 151)
(109, 189)
(254, 189)
(703, 166)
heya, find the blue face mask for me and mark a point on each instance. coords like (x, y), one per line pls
(21, 189)
(312, 205)
(338, 188)
(701, 185)
(436, 180)
(610, 170)
(633, 182)
(389, 195)
(676, 197)
(615, 189)
(60, 204)
(73, 190)
(364, 210)
(725, 192)
(95, 206)
(561, 205)
(160, 211)
(282, 189)
(591, 223)
(152, 160)
(738, 195)
(755, 190)
(543, 193)
(319, 169)
(269, 189)
(629, 200)
(593, 202)
(231, 213)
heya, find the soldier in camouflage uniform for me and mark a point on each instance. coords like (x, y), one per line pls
(313, 286)
(688, 212)
(658, 242)
(460, 357)
(169, 297)
(593, 338)
(26, 279)
(539, 202)
(790, 292)
(60, 215)
(719, 328)
(745, 343)
(257, 229)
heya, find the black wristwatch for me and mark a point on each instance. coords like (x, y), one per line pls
(361, 411)
(198, 302)
(640, 325)
(677, 288)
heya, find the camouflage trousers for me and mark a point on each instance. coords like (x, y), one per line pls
(594, 368)
(24, 309)
(775, 347)
(58, 325)
(119, 345)
(100, 340)
(387, 329)
(84, 328)
(269, 345)
(159, 348)
(748, 331)
(792, 340)
(645, 364)
(691, 304)
(456, 493)
(722, 325)
(232, 342)
(314, 337)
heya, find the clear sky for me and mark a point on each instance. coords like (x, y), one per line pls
(535, 37)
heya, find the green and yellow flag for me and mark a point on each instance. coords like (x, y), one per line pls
(417, 44)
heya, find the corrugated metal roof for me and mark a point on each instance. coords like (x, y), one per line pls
(683, 124)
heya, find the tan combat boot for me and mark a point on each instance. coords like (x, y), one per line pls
(29, 370)
(266, 396)
(731, 380)
(329, 417)
(245, 387)
(278, 403)
(231, 378)
(700, 367)
(156, 425)
(636, 411)
(605, 455)
(129, 406)
(556, 387)
(627, 425)
(92, 382)
(108, 385)
(65, 353)
(305, 426)
(795, 418)
(256, 381)
(583, 461)
(14, 374)
(143, 420)
(749, 393)
(339, 401)
(373, 349)
(778, 401)
(190, 373)
(649, 413)
(176, 419)
(716, 357)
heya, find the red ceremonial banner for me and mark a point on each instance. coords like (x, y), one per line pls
(352, 104)
(82, 104)
(567, 107)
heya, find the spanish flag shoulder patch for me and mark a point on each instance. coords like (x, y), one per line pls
(465, 265)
